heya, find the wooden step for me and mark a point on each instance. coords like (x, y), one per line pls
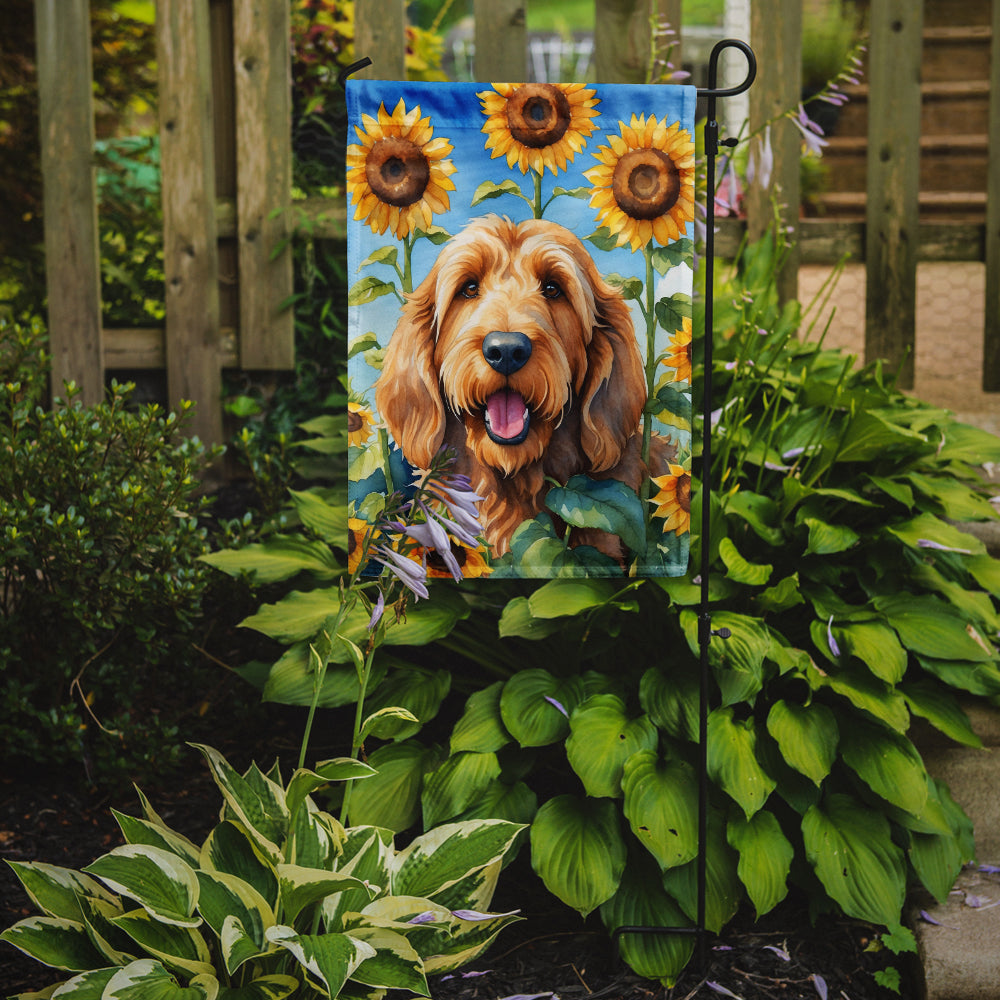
(944, 12)
(947, 107)
(958, 206)
(956, 53)
(947, 162)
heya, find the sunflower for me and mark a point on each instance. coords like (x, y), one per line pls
(644, 183)
(538, 125)
(674, 499)
(472, 562)
(357, 530)
(680, 352)
(398, 176)
(359, 424)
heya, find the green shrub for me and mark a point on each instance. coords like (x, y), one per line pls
(101, 584)
(279, 900)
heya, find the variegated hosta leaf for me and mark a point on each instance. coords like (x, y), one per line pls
(578, 851)
(661, 799)
(54, 941)
(367, 853)
(468, 939)
(158, 880)
(225, 897)
(850, 847)
(602, 737)
(642, 902)
(304, 782)
(395, 964)
(149, 980)
(275, 987)
(300, 887)
(315, 838)
(732, 760)
(141, 831)
(765, 858)
(86, 986)
(328, 959)
(456, 784)
(475, 891)
(177, 947)
(481, 727)
(230, 849)
(256, 801)
(807, 736)
(116, 947)
(56, 891)
(441, 857)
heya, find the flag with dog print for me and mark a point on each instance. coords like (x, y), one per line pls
(520, 264)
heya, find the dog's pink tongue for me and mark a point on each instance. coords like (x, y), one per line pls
(506, 413)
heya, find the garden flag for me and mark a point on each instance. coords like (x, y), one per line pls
(520, 260)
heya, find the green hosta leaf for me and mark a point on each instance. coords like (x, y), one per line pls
(738, 569)
(888, 763)
(388, 722)
(876, 646)
(517, 620)
(601, 739)
(56, 891)
(260, 806)
(54, 941)
(330, 959)
(723, 889)
(279, 558)
(516, 803)
(180, 948)
(850, 848)
(327, 520)
(481, 728)
(976, 678)
(732, 760)
(559, 598)
(661, 799)
(807, 736)
(671, 701)
(578, 851)
(738, 661)
(865, 692)
(765, 858)
(230, 849)
(870, 436)
(529, 706)
(958, 502)
(489, 189)
(456, 784)
(928, 528)
(142, 831)
(391, 798)
(965, 443)
(395, 964)
(783, 595)
(986, 572)
(417, 690)
(159, 881)
(760, 512)
(937, 859)
(606, 504)
(304, 782)
(301, 887)
(828, 539)
(147, 979)
(932, 628)
(641, 901)
(440, 858)
(936, 704)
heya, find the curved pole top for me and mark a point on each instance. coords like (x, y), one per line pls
(713, 67)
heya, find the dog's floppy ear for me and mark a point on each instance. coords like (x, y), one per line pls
(408, 393)
(614, 392)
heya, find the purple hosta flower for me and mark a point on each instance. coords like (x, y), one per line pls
(728, 195)
(465, 975)
(780, 952)
(990, 869)
(427, 917)
(558, 705)
(377, 612)
(834, 648)
(531, 996)
(812, 134)
(459, 531)
(719, 988)
(760, 164)
(475, 915)
(456, 493)
(431, 535)
(411, 574)
(820, 983)
(927, 543)
(927, 918)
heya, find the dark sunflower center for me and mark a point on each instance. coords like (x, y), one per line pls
(397, 171)
(354, 421)
(435, 561)
(538, 114)
(684, 492)
(646, 183)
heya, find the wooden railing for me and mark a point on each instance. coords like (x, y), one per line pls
(226, 156)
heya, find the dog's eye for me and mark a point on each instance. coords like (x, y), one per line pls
(551, 290)
(470, 290)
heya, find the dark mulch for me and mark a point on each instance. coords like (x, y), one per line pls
(551, 952)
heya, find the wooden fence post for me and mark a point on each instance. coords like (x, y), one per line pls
(190, 251)
(380, 34)
(72, 255)
(622, 40)
(893, 183)
(991, 331)
(501, 41)
(261, 57)
(776, 35)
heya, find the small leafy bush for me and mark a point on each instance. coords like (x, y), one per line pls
(280, 899)
(100, 584)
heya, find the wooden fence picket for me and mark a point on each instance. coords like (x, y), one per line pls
(991, 331)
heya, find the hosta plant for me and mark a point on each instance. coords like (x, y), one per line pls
(279, 900)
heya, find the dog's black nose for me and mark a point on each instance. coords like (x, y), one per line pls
(506, 351)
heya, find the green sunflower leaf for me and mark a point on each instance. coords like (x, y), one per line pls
(606, 504)
(489, 190)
